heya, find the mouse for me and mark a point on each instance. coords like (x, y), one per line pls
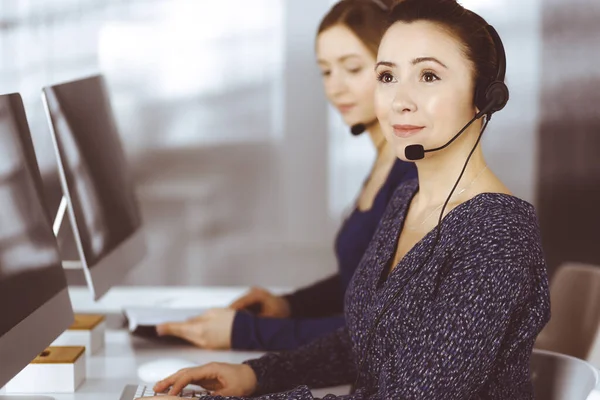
(154, 371)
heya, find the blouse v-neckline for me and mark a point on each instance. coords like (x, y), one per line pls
(386, 271)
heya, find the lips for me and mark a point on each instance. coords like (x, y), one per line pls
(405, 131)
(344, 108)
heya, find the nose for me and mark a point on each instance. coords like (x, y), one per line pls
(403, 100)
(335, 84)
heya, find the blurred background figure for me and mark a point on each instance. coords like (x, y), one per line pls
(346, 48)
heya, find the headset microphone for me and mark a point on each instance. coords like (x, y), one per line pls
(358, 129)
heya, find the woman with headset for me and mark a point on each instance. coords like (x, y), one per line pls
(452, 291)
(346, 47)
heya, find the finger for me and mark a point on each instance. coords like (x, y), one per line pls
(172, 328)
(191, 375)
(182, 381)
(166, 383)
(247, 300)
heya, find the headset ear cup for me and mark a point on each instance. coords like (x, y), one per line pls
(480, 95)
(497, 94)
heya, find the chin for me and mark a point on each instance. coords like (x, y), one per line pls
(350, 121)
(355, 118)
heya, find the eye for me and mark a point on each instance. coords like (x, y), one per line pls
(385, 77)
(355, 70)
(325, 72)
(429, 77)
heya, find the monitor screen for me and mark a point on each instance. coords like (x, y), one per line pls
(33, 288)
(30, 265)
(94, 166)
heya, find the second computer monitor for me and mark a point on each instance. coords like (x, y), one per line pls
(96, 180)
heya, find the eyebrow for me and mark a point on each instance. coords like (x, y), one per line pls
(413, 62)
(425, 59)
(385, 64)
(342, 58)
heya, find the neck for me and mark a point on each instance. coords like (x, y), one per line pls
(439, 172)
(382, 147)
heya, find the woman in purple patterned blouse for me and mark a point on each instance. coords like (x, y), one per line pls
(464, 303)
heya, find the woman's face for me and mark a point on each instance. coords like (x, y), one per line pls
(424, 93)
(347, 68)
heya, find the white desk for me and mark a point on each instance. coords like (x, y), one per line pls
(115, 366)
(111, 369)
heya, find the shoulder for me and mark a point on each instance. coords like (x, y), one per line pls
(501, 215)
(499, 228)
(494, 243)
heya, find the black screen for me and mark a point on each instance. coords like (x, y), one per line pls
(94, 163)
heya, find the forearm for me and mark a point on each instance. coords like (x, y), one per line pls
(324, 298)
(251, 332)
(325, 362)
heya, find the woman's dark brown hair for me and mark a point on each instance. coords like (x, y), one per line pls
(367, 19)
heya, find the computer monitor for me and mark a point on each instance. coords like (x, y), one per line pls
(35, 303)
(97, 184)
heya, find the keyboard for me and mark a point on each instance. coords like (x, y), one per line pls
(132, 392)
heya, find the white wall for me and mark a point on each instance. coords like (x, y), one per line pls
(222, 114)
(304, 150)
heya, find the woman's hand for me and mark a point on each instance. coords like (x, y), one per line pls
(218, 378)
(269, 304)
(211, 330)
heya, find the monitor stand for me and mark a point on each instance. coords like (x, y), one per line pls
(60, 215)
(58, 220)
